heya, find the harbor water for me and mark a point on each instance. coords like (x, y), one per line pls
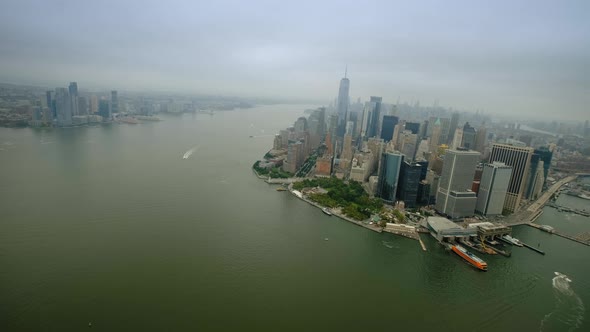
(162, 226)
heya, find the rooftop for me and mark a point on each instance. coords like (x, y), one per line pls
(441, 223)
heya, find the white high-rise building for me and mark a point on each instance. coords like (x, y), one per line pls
(520, 160)
(454, 197)
(492, 189)
(457, 139)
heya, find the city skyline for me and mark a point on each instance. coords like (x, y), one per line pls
(522, 65)
(167, 165)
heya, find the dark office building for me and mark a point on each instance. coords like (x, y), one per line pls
(424, 193)
(373, 128)
(389, 175)
(423, 130)
(424, 166)
(542, 154)
(546, 156)
(414, 127)
(389, 123)
(51, 102)
(408, 184)
(104, 109)
(469, 136)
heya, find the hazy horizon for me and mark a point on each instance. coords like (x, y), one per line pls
(523, 59)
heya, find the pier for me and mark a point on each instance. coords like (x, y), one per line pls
(583, 238)
(568, 209)
(404, 230)
(421, 243)
(533, 248)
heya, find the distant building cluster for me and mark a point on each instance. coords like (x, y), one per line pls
(66, 107)
(428, 160)
(293, 145)
(22, 106)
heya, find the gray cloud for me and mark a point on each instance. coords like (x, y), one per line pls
(530, 57)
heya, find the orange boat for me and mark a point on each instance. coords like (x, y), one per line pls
(470, 258)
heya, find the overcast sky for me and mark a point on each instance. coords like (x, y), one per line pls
(508, 57)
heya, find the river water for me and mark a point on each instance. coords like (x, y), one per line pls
(111, 225)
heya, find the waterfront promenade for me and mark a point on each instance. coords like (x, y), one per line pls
(339, 214)
(398, 229)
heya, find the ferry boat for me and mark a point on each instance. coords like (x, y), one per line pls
(470, 258)
(326, 211)
(511, 240)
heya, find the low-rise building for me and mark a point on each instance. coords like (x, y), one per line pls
(444, 229)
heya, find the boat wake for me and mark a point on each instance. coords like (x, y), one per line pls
(188, 153)
(389, 245)
(568, 313)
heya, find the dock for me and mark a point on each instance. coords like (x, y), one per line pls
(583, 238)
(533, 248)
(498, 250)
(562, 208)
(421, 243)
(403, 230)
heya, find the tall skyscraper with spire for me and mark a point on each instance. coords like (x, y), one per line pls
(342, 104)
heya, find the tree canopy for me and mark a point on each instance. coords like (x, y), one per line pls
(350, 196)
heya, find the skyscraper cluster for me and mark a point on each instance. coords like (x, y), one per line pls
(440, 161)
(294, 145)
(66, 107)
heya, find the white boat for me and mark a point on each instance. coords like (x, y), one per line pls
(326, 211)
(512, 240)
(584, 196)
(188, 153)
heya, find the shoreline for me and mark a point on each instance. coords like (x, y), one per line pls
(339, 215)
(387, 229)
(390, 228)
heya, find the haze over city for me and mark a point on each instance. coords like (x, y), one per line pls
(305, 166)
(528, 58)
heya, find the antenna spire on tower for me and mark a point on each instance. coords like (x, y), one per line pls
(345, 70)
